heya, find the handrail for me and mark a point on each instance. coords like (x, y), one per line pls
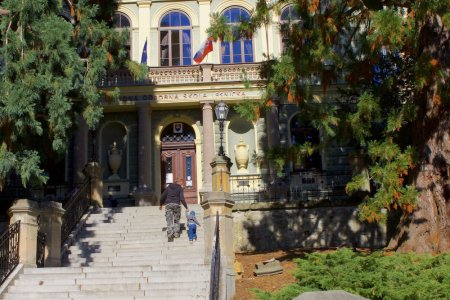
(75, 208)
(9, 250)
(215, 263)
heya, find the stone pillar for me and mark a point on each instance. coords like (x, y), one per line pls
(208, 140)
(50, 224)
(144, 195)
(144, 26)
(26, 211)
(80, 152)
(95, 171)
(221, 174)
(220, 203)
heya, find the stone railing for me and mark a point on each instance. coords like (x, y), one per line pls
(185, 75)
(175, 75)
(222, 73)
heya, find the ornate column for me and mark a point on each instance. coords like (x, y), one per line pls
(26, 211)
(80, 153)
(208, 140)
(144, 195)
(50, 224)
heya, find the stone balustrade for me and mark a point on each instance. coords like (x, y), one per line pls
(185, 75)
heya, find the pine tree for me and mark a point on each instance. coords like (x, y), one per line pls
(53, 54)
(394, 56)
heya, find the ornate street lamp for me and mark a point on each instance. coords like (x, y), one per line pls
(221, 111)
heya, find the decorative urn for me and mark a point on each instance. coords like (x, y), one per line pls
(241, 156)
(114, 159)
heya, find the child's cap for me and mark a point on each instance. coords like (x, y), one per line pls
(192, 213)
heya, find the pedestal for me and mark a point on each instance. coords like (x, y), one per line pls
(95, 171)
(144, 196)
(26, 211)
(50, 224)
(220, 203)
(221, 173)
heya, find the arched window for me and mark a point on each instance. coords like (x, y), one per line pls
(302, 132)
(175, 40)
(122, 22)
(240, 50)
(289, 17)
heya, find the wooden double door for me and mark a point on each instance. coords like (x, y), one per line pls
(178, 161)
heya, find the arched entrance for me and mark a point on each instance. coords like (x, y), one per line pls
(178, 158)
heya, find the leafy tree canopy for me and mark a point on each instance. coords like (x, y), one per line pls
(53, 54)
(393, 56)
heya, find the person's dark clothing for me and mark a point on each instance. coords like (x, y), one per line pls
(173, 194)
(172, 197)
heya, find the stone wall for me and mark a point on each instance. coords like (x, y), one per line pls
(271, 226)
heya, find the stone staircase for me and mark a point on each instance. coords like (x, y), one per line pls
(122, 253)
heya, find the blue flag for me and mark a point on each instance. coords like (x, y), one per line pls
(144, 53)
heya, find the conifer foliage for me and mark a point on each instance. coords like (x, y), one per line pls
(53, 54)
(393, 56)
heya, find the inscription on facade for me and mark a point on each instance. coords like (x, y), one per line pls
(181, 96)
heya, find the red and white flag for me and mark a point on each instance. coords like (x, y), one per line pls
(204, 50)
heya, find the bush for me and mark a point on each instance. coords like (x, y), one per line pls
(374, 276)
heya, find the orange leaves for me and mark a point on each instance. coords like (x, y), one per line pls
(408, 208)
(434, 62)
(313, 6)
(437, 100)
(373, 217)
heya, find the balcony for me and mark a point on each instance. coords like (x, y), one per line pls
(185, 75)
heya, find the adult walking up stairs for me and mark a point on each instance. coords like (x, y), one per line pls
(122, 253)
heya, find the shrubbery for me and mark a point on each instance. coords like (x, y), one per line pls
(374, 276)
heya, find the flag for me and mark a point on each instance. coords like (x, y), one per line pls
(204, 50)
(144, 53)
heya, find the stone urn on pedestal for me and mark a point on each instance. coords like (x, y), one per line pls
(241, 156)
(114, 159)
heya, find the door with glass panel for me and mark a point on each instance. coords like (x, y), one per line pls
(178, 159)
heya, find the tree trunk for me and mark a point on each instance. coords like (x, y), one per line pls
(427, 229)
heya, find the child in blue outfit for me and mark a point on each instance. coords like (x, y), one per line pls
(192, 223)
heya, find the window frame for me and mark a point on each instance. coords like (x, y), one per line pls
(170, 30)
(290, 20)
(241, 41)
(121, 15)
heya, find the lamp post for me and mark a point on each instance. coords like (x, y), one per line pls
(93, 133)
(221, 111)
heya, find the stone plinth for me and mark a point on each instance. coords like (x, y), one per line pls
(50, 224)
(220, 203)
(26, 211)
(94, 171)
(221, 173)
(144, 196)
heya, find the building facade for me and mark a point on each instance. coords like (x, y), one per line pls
(164, 127)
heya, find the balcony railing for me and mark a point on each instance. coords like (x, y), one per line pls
(301, 187)
(185, 75)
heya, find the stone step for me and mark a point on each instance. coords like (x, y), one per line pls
(164, 293)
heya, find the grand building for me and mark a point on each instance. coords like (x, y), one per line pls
(164, 127)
